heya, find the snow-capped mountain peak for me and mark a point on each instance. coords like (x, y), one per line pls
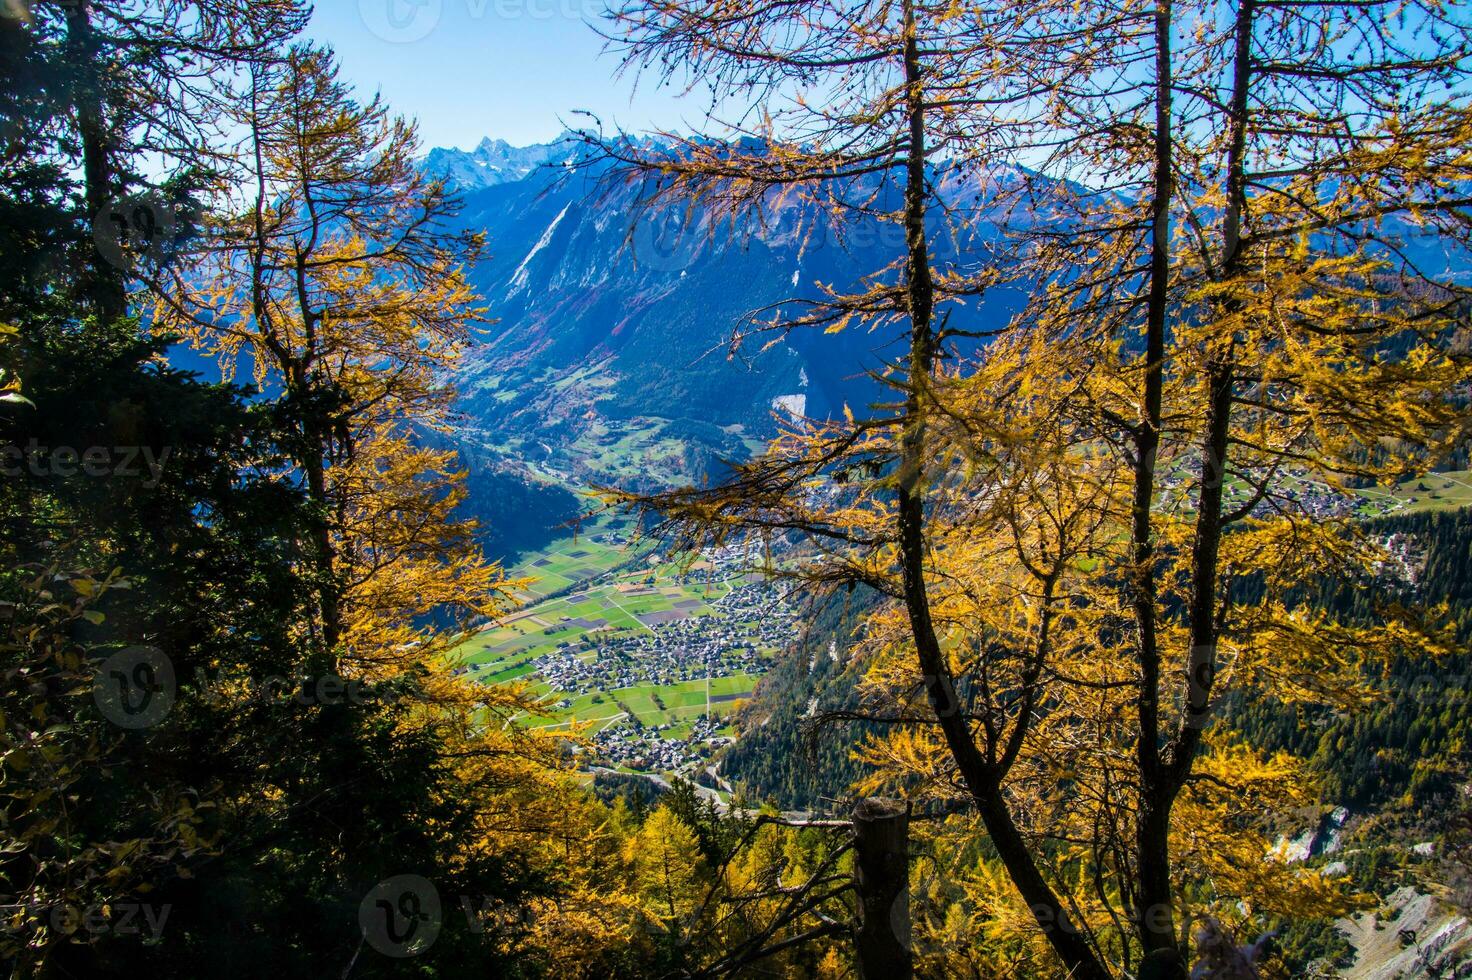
(495, 161)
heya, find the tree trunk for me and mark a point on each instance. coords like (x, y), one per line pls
(324, 553)
(983, 780)
(1154, 909)
(882, 879)
(105, 286)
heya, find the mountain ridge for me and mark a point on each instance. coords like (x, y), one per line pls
(582, 273)
(493, 161)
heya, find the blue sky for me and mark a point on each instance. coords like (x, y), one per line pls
(500, 68)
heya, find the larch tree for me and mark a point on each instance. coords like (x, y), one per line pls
(1239, 226)
(154, 80)
(336, 279)
(338, 283)
(875, 92)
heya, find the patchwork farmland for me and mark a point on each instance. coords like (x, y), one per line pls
(652, 655)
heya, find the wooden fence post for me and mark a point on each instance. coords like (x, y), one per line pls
(882, 880)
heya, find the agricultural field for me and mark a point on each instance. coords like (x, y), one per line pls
(1429, 492)
(629, 600)
(601, 545)
(650, 655)
(676, 705)
(1434, 491)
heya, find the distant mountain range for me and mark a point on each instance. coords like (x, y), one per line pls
(609, 361)
(601, 307)
(613, 322)
(495, 162)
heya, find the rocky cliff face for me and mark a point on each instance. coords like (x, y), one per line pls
(610, 317)
(1413, 935)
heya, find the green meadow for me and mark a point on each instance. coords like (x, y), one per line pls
(1434, 491)
(624, 582)
(653, 704)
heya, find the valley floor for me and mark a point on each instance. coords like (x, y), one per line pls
(652, 655)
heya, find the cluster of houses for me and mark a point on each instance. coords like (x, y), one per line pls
(1302, 499)
(647, 749)
(1322, 503)
(1404, 559)
(753, 616)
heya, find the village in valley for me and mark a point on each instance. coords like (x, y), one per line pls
(748, 619)
(649, 654)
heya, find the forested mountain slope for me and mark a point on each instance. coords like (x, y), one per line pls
(612, 319)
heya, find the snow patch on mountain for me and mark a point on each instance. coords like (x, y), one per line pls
(518, 278)
(795, 405)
